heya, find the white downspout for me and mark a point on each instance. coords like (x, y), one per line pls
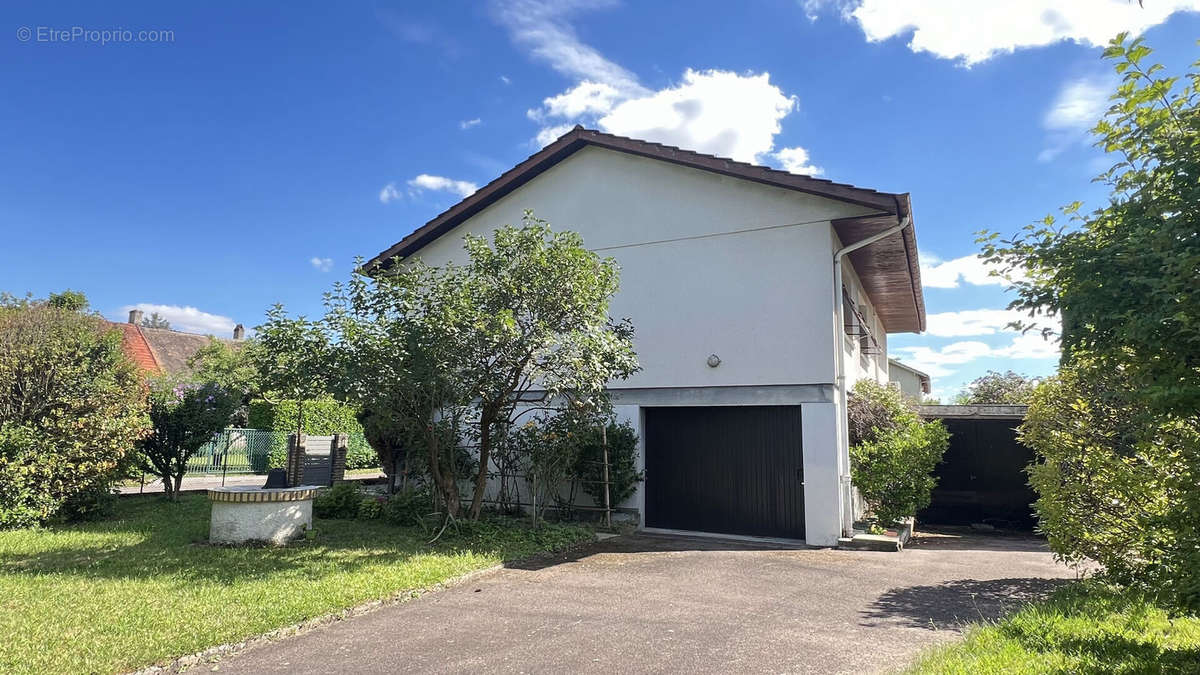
(843, 423)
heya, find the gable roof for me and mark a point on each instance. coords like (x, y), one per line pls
(889, 269)
(921, 376)
(158, 351)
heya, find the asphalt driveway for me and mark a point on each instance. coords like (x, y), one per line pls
(648, 603)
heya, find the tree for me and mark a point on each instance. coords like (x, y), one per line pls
(184, 415)
(1123, 279)
(436, 358)
(156, 321)
(72, 301)
(291, 359)
(71, 406)
(1007, 388)
(230, 367)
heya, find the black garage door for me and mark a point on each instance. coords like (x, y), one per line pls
(732, 470)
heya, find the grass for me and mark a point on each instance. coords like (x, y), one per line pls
(1083, 628)
(142, 588)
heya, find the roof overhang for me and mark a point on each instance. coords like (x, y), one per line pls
(889, 269)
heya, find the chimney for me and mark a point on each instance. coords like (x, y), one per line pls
(239, 332)
(135, 316)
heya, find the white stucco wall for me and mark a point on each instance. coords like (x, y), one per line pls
(694, 280)
(908, 381)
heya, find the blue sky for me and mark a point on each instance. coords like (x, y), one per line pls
(245, 156)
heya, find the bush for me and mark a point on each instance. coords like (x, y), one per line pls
(623, 475)
(408, 508)
(185, 416)
(71, 406)
(894, 453)
(370, 508)
(341, 501)
(1116, 482)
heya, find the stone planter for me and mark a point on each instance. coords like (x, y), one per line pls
(246, 514)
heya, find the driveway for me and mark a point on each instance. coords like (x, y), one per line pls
(645, 603)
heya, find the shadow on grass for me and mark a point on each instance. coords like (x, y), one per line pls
(152, 537)
(954, 604)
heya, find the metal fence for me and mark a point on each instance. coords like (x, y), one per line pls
(235, 451)
(253, 451)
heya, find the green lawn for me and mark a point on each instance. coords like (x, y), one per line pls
(1083, 628)
(142, 587)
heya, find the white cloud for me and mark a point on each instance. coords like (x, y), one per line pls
(425, 181)
(938, 273)
(467, 124)
(585, 98)
(505, 80)
(543, 27)
(971, 322)
(734, 115)
(1076, 109)
(971, 31)
(388, 193)
(321, 264)
(712, 111)
(186, 319)
(940, 362)
(548, 135)
(795, 160)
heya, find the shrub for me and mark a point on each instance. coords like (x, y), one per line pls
(71, 406)
(370, 508)
(623, 475)
(408, 507)
(322, 417)
(185, 416)
(1116, 482)
(341, 501)
(894, 453)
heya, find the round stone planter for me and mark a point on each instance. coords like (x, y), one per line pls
(246, 514)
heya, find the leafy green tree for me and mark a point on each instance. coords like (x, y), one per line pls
(438, 357)
(233, 368)
(1120, 423)
(1007, 388)
(184, 415)
(1123, 277)
(291, 357)
(72, 301)
(71, 406)
(892, 452)
(156, 321)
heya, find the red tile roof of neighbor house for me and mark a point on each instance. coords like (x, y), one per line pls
(137, 349)
(158, 351)
(889, 268)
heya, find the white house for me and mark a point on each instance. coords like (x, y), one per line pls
(747, 330)
(912, 382)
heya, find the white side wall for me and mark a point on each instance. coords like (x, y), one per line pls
(709, 264)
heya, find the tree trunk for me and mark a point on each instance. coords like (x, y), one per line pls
(178, 487)
(485, 447)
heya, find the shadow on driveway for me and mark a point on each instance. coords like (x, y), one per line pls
(954, 604)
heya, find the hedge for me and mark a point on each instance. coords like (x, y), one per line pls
(321, 417)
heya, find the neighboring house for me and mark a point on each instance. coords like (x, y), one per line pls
(911, 381)
(747, 331)
(161, 351)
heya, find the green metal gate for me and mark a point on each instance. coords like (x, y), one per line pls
(236, 451)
